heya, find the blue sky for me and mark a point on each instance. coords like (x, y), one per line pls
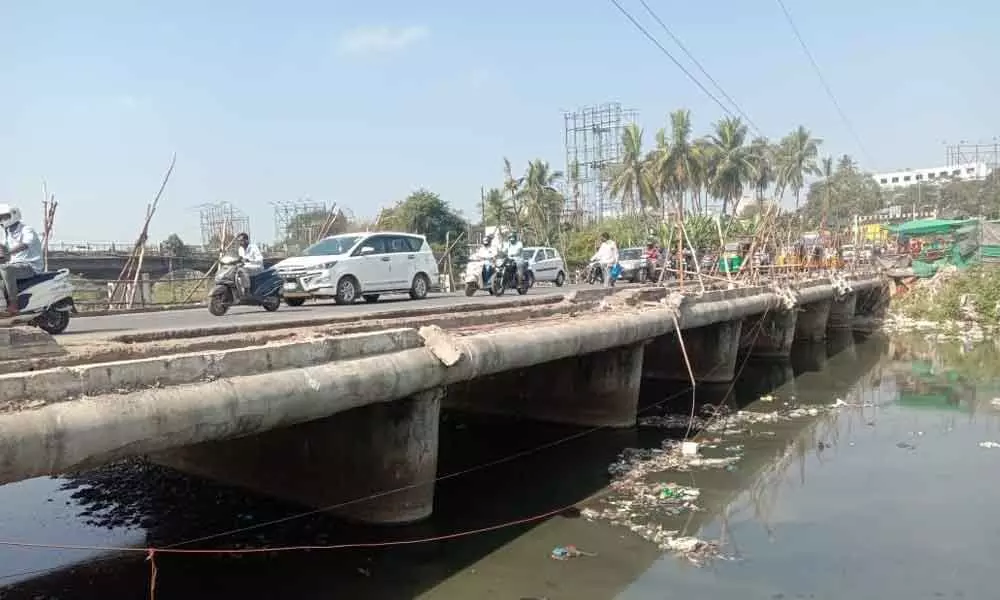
(362, 102)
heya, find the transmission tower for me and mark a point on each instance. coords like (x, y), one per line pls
(593, 137)
(983, 152)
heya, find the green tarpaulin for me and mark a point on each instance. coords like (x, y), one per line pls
(926, 227)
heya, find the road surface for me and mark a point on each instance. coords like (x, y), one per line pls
(200, 317)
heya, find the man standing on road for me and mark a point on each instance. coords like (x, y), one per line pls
(253, 262)
(24, 252)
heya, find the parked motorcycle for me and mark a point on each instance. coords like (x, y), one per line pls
(477, 277)
(265, 288)
(44, 300)
(596, 274)
(505, 277)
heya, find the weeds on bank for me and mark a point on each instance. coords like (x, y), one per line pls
(953, 295)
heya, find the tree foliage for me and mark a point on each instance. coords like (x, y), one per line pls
(174, 246)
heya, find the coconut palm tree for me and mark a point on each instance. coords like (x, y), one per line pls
(541, 200)
(511, 186)
(676, 167)
(497, 208)
(762, 156)
(731, 163)
(630, 180)
(799, 151)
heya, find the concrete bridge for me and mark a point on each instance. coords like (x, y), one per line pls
(327, 414)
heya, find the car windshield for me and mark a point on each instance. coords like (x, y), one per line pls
(331, 246)
(631, 254)
(527, 253)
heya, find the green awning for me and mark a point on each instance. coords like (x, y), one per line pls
(926, 226)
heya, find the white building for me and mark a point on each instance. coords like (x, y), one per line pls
(908, 177)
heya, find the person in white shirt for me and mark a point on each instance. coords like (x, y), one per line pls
(23, 247)
(607, 257)
(485, 252)
(253, 262)
(513, 250)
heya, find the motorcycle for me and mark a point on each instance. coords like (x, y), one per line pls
(595, 273)
(265, 288)
(44, 300)
(505, 277)
(477, 277)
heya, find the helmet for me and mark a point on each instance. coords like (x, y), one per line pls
(242, 238)
(487, 240)
(9, 216)
(512, 235)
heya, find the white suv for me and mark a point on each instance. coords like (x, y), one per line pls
(352, 265)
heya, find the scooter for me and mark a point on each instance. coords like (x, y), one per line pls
(265, 288)
(44, 300)
(477, 277)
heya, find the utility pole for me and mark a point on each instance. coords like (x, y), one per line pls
(482, 204)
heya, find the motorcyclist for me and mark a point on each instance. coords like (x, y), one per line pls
(513, 250)
(252, 262)
(24, 250)
(606, 257)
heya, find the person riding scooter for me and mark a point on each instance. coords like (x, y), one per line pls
(24, 249)
(486, 253)
(253, 263)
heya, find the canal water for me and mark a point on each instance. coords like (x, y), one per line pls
(864, 469)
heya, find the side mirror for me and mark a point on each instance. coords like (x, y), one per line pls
(367, 250)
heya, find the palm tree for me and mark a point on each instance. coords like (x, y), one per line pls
(497, 209)
(630, 179)
(762, 157)
(542, 201)
(512, 185)
(799, 151)
(677, 164)
(731, 162)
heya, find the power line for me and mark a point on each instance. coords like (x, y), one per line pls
(704, 72)
(822, 79)
(657, 43)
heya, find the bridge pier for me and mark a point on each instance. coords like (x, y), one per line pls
(872, 307)
(354, 454)
(599, 389)
(811, 321)
(712, 351)
(769, 335)
(842, 312)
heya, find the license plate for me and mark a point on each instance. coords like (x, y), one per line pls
(291, 286)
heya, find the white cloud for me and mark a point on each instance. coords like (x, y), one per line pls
(379, 40)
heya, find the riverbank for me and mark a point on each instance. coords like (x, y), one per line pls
(957, 303)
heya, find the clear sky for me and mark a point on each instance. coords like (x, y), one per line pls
(361, 102)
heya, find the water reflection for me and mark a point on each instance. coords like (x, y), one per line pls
(755, 502)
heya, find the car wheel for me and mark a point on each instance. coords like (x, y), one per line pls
(560, 279)
(420, 287)
(347, 291)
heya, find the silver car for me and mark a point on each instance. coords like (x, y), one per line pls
(545, 264)
(635, 267)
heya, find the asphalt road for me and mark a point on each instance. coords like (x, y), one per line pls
(200, 317)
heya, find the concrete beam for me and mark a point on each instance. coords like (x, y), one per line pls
(364, 452)
(26, 342)
(599, 389)
(712, 351)
(67, 383)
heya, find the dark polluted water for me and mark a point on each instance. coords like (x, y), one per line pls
(890, 495)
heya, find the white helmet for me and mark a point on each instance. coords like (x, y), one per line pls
(9, 216)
